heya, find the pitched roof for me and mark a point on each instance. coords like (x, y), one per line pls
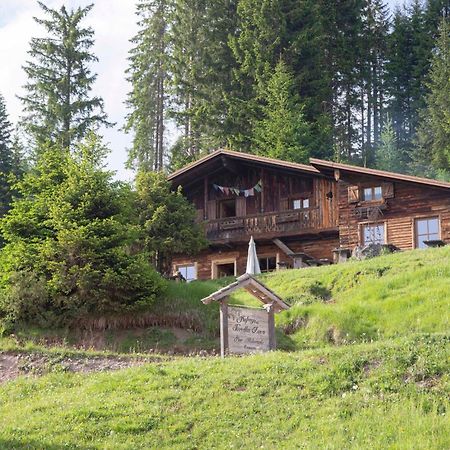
(247, 157)
(321, 164)
(254, 287)
(316, 167)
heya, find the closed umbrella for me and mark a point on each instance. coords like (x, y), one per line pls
(252, 259)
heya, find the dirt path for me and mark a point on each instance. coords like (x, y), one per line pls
(14, 364)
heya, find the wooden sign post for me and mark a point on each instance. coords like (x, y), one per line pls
(247, 330)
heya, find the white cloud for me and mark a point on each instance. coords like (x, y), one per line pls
(114, 23)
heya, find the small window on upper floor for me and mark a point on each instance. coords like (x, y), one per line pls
(371, 194)
(300, 203)
(227, 208)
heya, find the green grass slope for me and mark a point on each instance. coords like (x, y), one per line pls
(391, 394)
(385, 297)
(359, 301)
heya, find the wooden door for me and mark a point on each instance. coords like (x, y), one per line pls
(241, 209)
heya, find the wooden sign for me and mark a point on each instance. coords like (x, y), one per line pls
(246, 330)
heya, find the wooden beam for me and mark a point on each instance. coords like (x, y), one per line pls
(272, 337)
(282, 246)
(205, 198)
(261, 206)
(224, 327)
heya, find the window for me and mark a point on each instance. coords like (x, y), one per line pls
(373, 234)
(227, 208)
(300, 203)
(188, 272)
(268, 264)
(426, 230)
(371, 194)
(225, 270)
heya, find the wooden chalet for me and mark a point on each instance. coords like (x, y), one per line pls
(302, 215)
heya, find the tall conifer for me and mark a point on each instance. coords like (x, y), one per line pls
(148, 74)
(58, 102)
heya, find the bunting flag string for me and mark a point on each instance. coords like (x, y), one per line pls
(236, 191)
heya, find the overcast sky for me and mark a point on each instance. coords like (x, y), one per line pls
(114, 24)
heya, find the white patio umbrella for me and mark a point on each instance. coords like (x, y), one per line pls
(252, 259)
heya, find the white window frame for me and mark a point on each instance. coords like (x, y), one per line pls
(416, 230)
(302, 203)
(372, 193)
(218, 262)
(372, 224)
(182, 266)
(276, 256)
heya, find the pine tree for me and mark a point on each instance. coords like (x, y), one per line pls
(201, 74)
(388, 156)
(433, 140)
(69, 240)
(58, 103)
(296, 31)
(282, 132)
(375, 25)
(6, 159)
(148, 74)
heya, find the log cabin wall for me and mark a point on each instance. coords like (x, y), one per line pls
(407, 203)
(318, 248)
(279, 190)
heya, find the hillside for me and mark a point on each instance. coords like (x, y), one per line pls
(361, 301)
(369, 366)
(385, 297)
(379, 395)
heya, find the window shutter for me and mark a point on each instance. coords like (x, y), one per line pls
(388, 190)
(212, 210)
(353, 194)
(241, 209)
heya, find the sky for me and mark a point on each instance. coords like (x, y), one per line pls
(114, 23)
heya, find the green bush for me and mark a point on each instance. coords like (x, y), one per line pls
(69, 240)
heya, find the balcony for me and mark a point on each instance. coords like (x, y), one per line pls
(267, 225)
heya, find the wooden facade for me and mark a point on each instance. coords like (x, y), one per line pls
(303, 212)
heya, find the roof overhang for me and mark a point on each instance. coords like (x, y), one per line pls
(252, 286)
(227, 159)
(339, 171)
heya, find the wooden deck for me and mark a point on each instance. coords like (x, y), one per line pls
(263, 225)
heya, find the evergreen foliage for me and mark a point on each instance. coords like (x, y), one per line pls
(388, 155)
(433, 139)
(148, 76)
(6, 163)
(282, 132)
(58, 102)
(12, 160)
(351, 63)
(167, 220)
(68, 243)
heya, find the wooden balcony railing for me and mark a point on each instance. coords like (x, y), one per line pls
(259, 224)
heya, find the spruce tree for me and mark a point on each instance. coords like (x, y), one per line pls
(58, 102)
(282, 132)
(201, 74)
(388, 156)
(433, 140)
(148, 74)
(6, 159)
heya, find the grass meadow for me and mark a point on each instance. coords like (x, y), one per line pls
(363, 362)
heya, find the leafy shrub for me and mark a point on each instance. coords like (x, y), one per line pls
(69, 245)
